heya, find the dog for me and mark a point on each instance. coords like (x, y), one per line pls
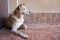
(16, 20)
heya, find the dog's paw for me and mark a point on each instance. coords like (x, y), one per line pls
(24, 36)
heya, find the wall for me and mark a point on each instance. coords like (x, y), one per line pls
(44, 11)
(38, 6)
(3, 10)
(43, 18)
(43, 6)
(12, 5)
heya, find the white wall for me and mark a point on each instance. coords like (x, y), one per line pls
(37, 6)
(43, 6)
(12, 4)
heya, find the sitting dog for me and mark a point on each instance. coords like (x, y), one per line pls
(16, 19)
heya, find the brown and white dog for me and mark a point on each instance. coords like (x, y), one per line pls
(16, 19)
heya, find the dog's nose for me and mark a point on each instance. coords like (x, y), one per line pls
(29, 11)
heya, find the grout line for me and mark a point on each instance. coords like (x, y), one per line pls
(32, 33)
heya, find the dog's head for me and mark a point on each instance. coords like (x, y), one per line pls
(22, 9)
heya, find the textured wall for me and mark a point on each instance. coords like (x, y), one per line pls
(43, 17)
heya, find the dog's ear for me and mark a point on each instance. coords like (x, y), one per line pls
(18, 8)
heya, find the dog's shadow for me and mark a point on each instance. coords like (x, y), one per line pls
(5, 31)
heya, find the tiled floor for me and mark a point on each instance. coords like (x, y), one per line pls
(36, 31)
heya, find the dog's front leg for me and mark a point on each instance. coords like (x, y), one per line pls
(14, 30)
(20, 33)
